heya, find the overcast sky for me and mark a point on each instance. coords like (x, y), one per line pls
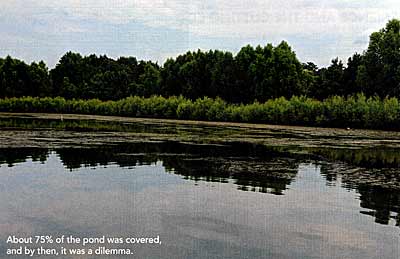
(157, 29)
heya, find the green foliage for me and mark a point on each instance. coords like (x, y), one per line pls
(379, 69)
(354, 111)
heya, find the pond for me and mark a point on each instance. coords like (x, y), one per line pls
(220, 199)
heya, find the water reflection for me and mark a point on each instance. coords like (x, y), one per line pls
(249, 167)
(382, 157)
(11, 156)
(266, 176)
(380, 203)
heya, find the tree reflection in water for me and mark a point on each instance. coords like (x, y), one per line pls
(250, 167)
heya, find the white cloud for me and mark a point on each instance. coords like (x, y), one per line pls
(347, 24)
(250, 18)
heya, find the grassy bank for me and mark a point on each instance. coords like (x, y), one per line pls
(354, 112)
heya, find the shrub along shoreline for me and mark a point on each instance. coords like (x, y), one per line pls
(354, 111)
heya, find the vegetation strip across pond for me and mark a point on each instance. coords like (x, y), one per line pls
(353, 112)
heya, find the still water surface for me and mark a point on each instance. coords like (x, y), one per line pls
(205, 204)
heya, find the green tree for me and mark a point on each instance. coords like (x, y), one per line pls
(149, 81)
(330, 81)
(380, 71)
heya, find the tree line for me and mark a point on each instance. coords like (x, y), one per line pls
(253, 74)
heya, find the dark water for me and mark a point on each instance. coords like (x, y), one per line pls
(204, 201)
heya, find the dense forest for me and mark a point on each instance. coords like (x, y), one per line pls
(253, 74)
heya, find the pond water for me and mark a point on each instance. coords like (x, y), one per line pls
(232, 200)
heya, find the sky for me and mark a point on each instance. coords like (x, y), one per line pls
(318, 31)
